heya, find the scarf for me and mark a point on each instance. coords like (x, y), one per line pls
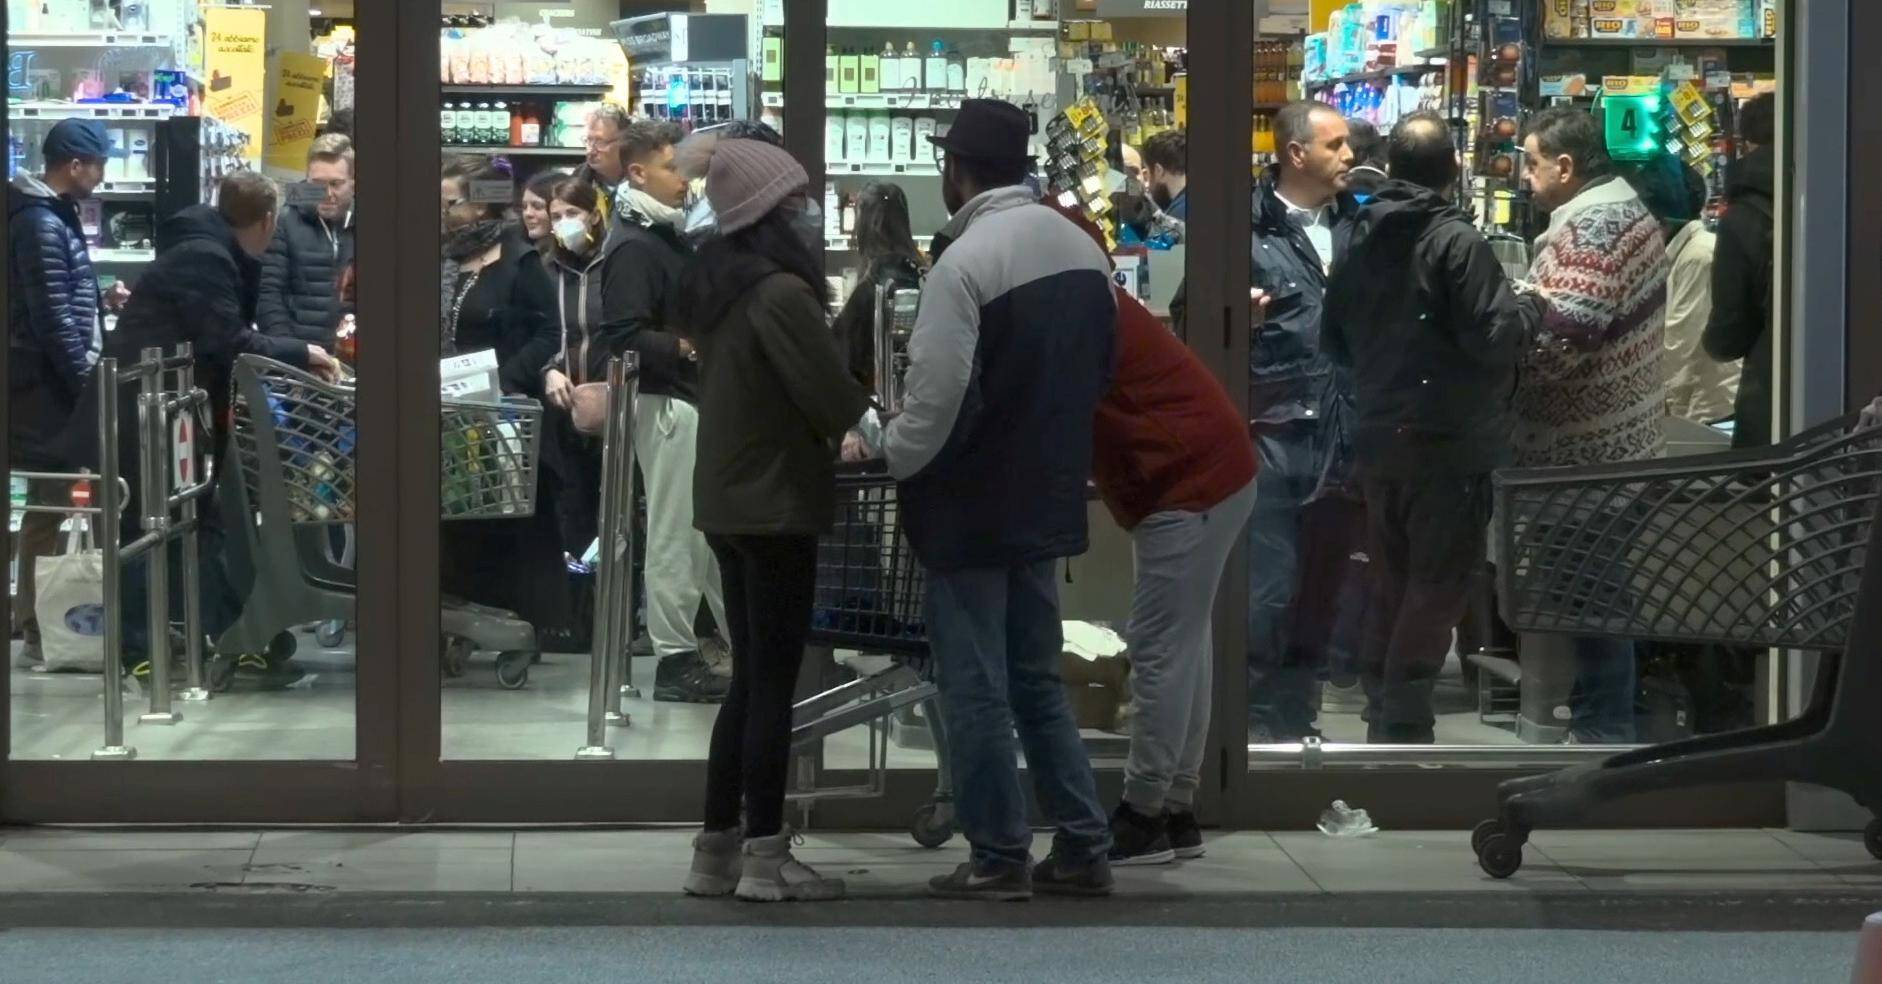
(472, 240)
(641, 208)
(460, 245)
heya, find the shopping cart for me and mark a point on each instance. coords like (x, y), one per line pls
(293, 445)
(1776, 548)
(869, 600)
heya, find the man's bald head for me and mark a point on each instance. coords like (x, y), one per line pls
(1420, 151)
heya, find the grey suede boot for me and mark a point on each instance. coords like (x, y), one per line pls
(717, 862)
(772, 875)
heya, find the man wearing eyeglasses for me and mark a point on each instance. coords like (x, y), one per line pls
(603, 169)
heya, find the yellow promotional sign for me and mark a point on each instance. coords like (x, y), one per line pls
(298, 79)
(235, 67)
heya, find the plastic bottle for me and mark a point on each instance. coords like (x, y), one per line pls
(912, 69)
(890, 70)
(1340, 820)
(936, 69)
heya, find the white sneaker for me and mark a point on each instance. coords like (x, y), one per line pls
(771, 874)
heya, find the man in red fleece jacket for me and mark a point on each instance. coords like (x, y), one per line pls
(1174, 464)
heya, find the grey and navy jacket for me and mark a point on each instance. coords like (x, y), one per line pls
(1012, 350)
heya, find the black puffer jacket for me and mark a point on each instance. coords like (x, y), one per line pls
(1423, 313)
(1286, 370)
(300, 276)
(1740, 325)
(53, 308)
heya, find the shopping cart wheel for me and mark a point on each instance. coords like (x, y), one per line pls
(1500, 856)
(934, 825)
(454, 656)
(1872, 838)
(513, 669)
(330, 633)
(1483, 832)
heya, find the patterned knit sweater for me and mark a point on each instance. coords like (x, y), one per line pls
(1593, 389)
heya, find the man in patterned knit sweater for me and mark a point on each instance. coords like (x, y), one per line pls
(1592, 390)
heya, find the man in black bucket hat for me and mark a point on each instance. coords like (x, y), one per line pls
(1010, 354)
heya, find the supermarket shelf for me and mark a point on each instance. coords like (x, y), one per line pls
(515, 151)
(842, 244)
(17, 40)
(1418, 68)
(1658, 42)
(123, 187)
(450, 89)
(877, 100)
(123, 255)
(1043, 26)
(89, 111)
(884, 169)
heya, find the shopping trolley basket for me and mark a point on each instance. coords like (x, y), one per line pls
(293, 445)
(869, 599)
(1776, 548)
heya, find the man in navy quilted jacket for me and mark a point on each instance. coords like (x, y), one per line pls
(53, 330)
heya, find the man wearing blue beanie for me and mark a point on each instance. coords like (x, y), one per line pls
(54, 331)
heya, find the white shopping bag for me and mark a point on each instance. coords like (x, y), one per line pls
(70, 604)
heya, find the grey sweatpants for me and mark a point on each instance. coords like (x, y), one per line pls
(1179, 560)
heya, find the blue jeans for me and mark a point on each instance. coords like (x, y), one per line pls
(1603, 702)
(996, 641)
(1281, 679)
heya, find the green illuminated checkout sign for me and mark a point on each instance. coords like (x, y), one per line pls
(1634, 130)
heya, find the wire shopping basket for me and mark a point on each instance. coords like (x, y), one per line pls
(870, 588)
(489, 450)
(1762, 550)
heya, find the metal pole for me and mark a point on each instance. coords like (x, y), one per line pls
(885, 344)
(624, 599)
(196, 689)
(603, 643)
(110, 503)
(156, 494)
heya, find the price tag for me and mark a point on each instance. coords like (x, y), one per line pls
(490, 192)
(1078, 66)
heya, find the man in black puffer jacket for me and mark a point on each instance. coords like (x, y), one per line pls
(200, 290)
(53, 312)
(300, 274)
(1425, 317)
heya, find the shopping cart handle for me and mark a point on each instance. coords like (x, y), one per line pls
(862, 469)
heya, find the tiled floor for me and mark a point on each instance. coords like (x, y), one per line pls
(888, 866)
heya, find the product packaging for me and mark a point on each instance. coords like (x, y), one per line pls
(924, 128)
(870, 77)
(879, 129)
(856, 137)
(902, 140)
(935, 69)
(833, 138)
(848, 72)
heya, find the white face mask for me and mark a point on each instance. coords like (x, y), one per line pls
(571, 232)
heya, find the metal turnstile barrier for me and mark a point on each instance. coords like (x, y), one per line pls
(170, 411)
(610, 669)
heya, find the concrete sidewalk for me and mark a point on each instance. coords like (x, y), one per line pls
(288, 877)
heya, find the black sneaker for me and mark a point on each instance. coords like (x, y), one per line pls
(1139, 839)
(684, 678)
(1057, 875)
(1185, 834)
(1002, 884)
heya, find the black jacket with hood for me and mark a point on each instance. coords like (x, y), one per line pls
(300, 276)
(578, 303)
(640, 277)
(774, 398)
(1740, 325)
(1424, 315)
(201, 289)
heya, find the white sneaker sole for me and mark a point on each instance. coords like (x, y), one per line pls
(753, 890)
(708, 887)
(1190, 853)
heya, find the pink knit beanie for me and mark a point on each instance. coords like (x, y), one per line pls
(746, 179)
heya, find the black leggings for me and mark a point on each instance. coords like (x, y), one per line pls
(769, 585)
